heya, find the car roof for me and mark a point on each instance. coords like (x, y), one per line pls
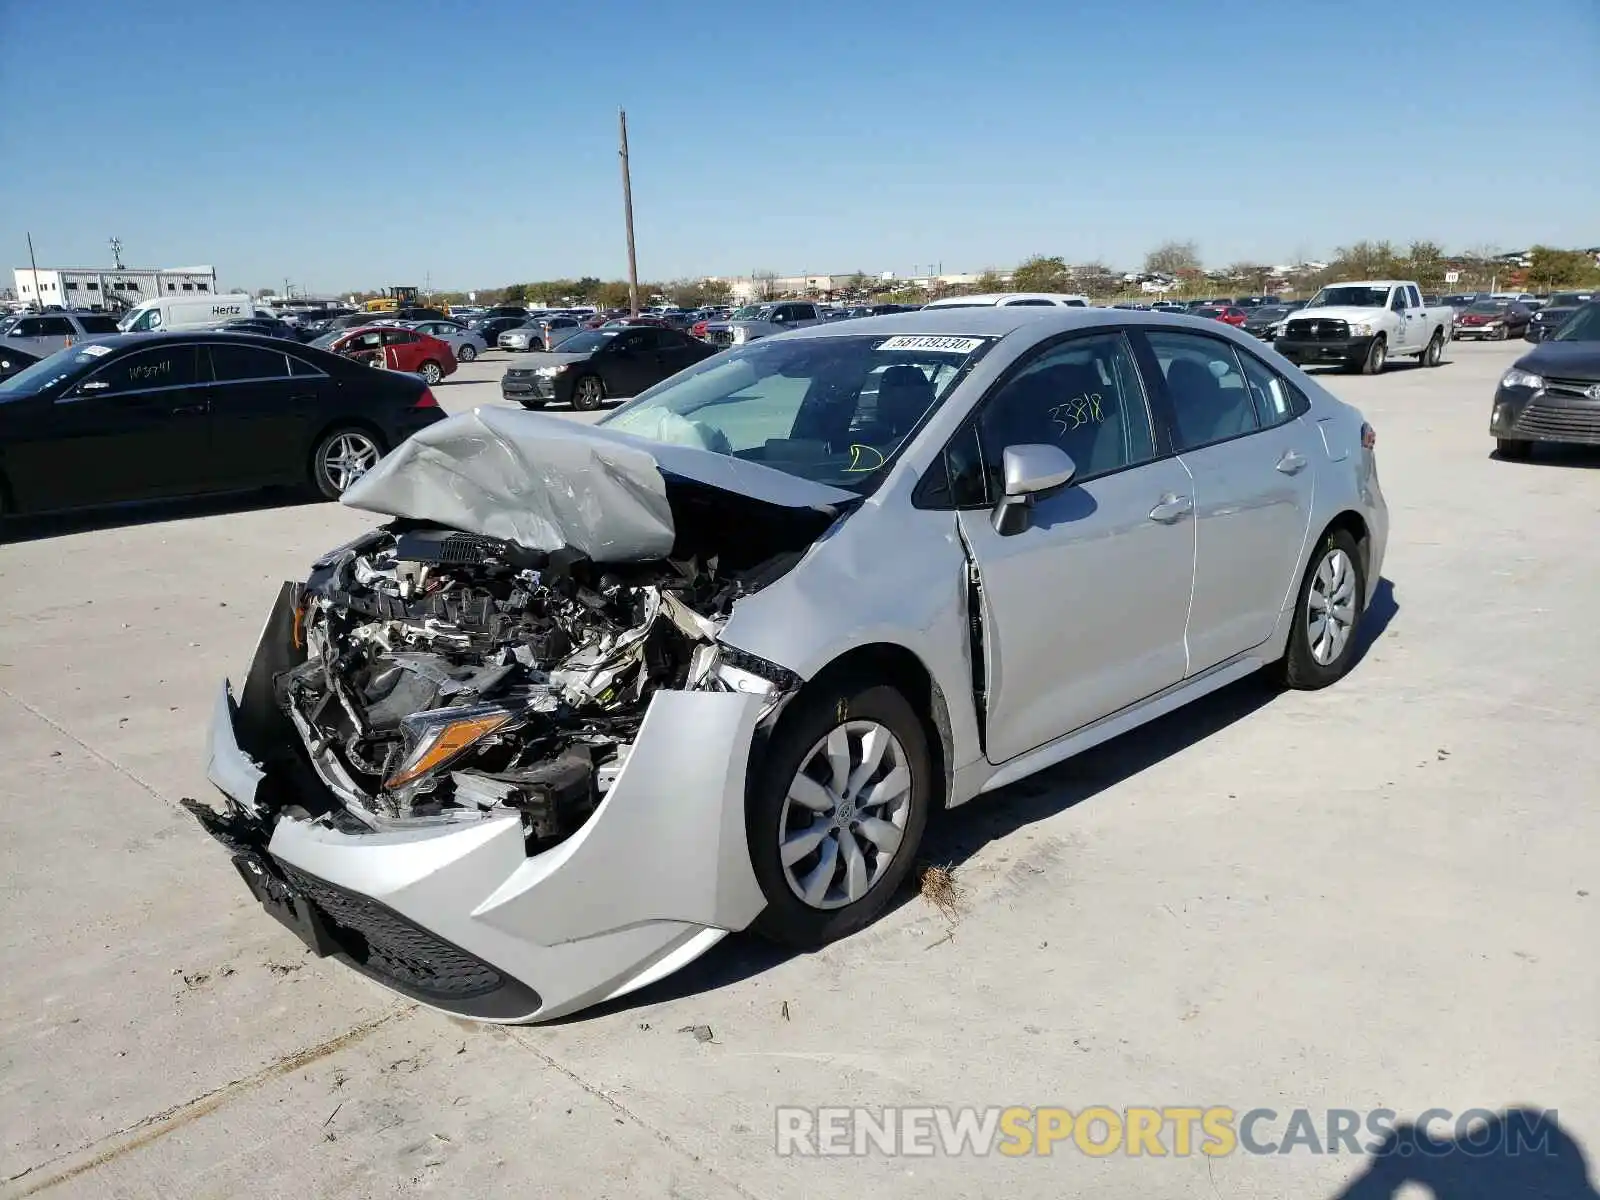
(1001, 298)
(998, 322)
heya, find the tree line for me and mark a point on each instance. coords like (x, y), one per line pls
(1550, 269)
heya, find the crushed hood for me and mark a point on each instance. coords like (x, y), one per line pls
(547, 483)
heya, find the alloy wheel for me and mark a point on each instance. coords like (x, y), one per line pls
(1331, 606)
(589, 393)
(346, 459)
(844, 818)
(468, 352)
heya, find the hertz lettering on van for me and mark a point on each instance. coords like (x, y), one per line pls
(224, 310)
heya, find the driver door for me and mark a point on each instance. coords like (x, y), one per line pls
(1084, 610)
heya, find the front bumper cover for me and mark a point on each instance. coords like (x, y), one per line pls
(1341, 350)
(459, 916)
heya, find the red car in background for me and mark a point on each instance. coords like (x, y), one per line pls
(1228, 315)
(395, 348)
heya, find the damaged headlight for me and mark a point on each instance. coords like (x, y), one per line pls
(436, 738)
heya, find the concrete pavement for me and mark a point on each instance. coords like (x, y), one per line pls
(1381, 895)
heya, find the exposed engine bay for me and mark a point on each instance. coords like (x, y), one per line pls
(449, 674)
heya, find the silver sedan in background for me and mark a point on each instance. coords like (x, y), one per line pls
(533, 747)
(466, 343)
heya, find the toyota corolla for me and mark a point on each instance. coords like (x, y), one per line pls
(596, 696)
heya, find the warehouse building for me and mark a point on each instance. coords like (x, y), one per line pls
(108, 288)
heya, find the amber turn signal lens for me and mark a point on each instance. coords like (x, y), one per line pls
(444, 744)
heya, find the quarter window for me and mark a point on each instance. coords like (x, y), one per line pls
(1210, 400)
(1082, 395)
(230, 364)
(1277, 401)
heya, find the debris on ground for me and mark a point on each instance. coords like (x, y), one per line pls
(702, 1033)
(785, 1010)
(283, 968)
(939, 888)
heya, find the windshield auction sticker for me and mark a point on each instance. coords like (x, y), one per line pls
(922, 341)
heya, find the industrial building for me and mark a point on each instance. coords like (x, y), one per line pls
(108, 288)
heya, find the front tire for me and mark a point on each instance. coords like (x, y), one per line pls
(341, 457)
(1513, 449)
(1327, 614)
(1502, 334)
(588, 392)
(1377, 355)
(837, 810)
(1434, 354)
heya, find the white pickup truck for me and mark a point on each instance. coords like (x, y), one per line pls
(1360, 326)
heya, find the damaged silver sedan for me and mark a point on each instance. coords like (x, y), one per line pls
(598, 695)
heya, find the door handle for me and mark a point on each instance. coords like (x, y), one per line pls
(1172, 508)
(1291, 463)
(186, 410)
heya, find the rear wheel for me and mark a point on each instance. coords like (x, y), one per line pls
(1434, 354)
(342, 457)
(467, 353)
(1377, 355)
(431, 371)
(1513, 449)
(837, 810)
(588, 393)
(1322, 641)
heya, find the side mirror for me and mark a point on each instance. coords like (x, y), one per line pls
(1030, 471)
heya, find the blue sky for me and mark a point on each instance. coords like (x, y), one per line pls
(351, 144)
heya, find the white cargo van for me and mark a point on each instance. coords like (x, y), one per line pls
(188, 312)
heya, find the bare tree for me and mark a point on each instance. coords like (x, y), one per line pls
(1173, 258)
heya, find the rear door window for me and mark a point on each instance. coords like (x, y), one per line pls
(235, 364)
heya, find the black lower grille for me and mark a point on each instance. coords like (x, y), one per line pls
(391, 947)
(1317, 331)
(1560, 424)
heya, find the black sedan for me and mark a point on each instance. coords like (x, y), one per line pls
(145, 416)
(1552, 394)
(598, 364)
(1549, 318)
(1261, 319)
(490, 328)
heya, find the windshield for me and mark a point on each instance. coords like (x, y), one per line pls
(1489, 306)
(59, 367)
(1350, 296)
(1566, 298)
(749, 312)
(328, 339)
(587, 341)
(1581, 326)
(835, 410)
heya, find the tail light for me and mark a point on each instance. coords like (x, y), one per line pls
(1369, 436)
(426, 400)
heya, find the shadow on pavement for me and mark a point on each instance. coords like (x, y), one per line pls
(954, 836)
(1521, 1154)
(1554, 454)
(148, 512)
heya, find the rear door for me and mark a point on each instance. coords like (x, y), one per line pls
(630, 363)
(1234, 423)
(261, 413)
(134, 429)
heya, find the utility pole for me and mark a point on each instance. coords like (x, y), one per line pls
(34, 263)
(627, 212)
